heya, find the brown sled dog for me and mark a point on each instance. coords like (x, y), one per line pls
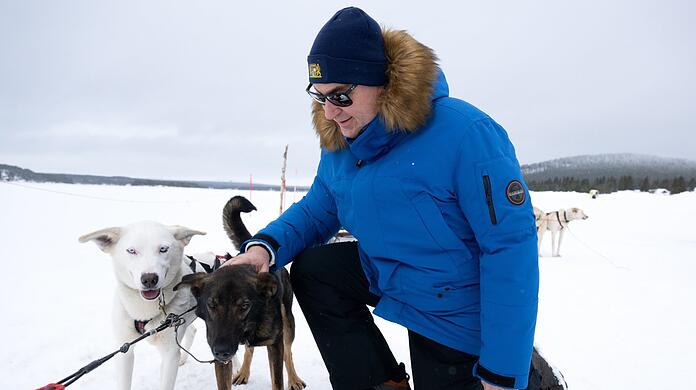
(240, 306)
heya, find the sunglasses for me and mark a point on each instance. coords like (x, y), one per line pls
(339, 99)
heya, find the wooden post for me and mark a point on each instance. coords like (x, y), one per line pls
(282, 180)
(294, 188)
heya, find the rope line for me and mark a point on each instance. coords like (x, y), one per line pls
(95, 197)
(596, 252)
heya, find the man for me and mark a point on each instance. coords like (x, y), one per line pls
(431, 188)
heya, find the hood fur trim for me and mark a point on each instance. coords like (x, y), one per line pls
(405, 103)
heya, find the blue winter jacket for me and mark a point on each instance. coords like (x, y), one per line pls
(452, 257)
(445, 231)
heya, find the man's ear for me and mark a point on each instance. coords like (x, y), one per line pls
(104, 238)
(184, 234)
(195, 282)
(267, 285)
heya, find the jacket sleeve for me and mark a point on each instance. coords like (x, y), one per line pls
(311, 221)
(495, 200)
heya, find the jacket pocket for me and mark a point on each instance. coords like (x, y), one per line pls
(440, 297)
(489, 198)
(435, 224)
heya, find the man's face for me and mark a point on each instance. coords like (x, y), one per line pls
(353, 118)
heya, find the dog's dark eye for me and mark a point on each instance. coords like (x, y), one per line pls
(245, 306)
(211, 304)
(164, 249)
(131, 251)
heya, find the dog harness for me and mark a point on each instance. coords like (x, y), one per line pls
(140, 326)
(558, 217)
(219, 259)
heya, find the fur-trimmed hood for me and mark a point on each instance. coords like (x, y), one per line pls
(405, 103)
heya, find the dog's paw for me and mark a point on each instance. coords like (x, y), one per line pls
(296, 384)
(240, 379)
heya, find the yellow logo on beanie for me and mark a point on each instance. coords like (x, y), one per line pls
(314, 71)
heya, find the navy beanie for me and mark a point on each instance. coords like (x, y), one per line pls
(349, 49)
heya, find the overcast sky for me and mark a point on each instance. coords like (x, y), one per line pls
(215, 89)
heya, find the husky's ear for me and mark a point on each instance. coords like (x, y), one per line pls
(267, 285)
(184, 234)
(104, 238)
(194, 281)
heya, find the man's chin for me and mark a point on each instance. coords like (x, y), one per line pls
(349, 132)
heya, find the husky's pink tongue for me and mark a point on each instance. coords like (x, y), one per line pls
(150, 294)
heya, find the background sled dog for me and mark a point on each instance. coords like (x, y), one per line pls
(556, 222)
(241, 306)
(148, 261)
(538, 215)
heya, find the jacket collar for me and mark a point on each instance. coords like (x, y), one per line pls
(413, 79)
(374, 140)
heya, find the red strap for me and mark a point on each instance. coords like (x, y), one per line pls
(52, 386)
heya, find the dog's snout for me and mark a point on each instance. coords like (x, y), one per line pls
(222, 353)
(149, 280)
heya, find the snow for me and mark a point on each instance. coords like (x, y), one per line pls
(616, 310)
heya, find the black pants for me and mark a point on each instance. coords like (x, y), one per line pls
(332, 291)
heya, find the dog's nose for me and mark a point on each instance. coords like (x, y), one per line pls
(149, 280)
(222, 354)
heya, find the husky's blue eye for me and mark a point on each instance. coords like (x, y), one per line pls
(131, 251)
(164, 249)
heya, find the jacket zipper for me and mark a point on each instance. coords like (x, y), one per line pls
(489, 198)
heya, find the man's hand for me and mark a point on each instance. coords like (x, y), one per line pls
(487, 386)
(254, 255)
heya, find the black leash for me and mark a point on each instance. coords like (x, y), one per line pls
(172, 319)
(176, 331)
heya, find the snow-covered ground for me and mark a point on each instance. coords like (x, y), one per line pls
(617, 310)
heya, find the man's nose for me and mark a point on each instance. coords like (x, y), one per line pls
(330, 110)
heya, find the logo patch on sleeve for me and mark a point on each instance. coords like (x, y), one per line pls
(515, 192)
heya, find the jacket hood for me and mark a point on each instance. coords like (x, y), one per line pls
(405, 104)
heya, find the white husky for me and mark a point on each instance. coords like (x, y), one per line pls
(556, 222)
(148, 260)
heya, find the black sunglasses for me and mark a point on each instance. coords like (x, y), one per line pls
(340, 99)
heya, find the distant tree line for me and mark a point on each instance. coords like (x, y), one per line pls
(11, 173)
(608, 184)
